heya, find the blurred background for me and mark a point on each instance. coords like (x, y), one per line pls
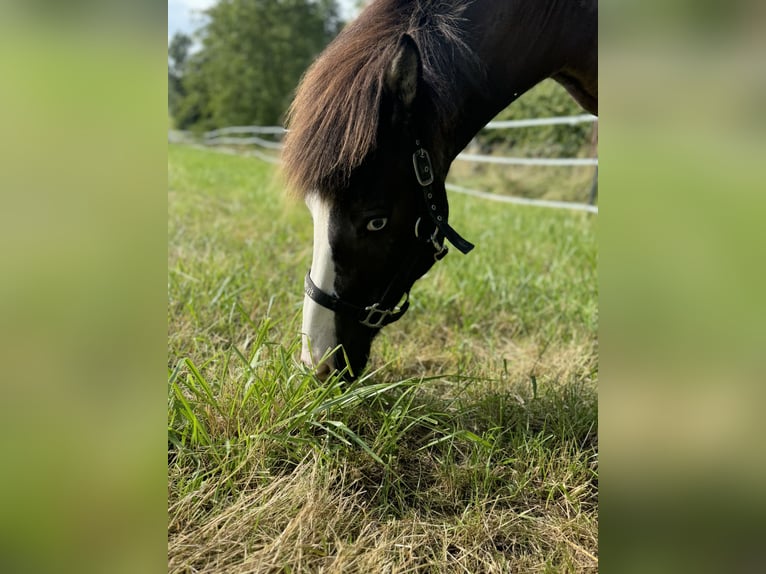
(84, 105)
(682, 143)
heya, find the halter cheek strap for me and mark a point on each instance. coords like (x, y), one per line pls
(424, 173)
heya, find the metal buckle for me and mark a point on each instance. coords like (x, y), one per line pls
(439, 250)
(424, 171)
(382, 314)
(441, 254)
(371, 311)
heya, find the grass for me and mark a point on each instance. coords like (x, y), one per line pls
(470, 444)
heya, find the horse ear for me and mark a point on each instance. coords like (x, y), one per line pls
(404, 73)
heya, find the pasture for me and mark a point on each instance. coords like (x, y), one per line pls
(470, 444)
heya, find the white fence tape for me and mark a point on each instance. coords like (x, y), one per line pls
(217, 137)
(527, 160)
(503, 124)
(561, 120)
(523, 200)
(277, 130)
(254, 140)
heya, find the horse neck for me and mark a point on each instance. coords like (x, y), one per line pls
(520, 44)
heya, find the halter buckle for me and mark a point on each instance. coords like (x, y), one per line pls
(439, 250)
(374, 313)
(377, 318)
(424, 171)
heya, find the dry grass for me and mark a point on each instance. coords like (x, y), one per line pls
(314, 520)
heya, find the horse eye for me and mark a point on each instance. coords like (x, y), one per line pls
(377, 224)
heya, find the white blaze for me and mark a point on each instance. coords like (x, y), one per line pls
(319, 323)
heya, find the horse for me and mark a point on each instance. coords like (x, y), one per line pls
(374, 126)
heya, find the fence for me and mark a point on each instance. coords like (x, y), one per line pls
(250, 136)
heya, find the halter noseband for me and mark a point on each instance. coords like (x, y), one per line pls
(371, 316)
(374, 316)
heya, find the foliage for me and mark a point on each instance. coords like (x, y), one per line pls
(178, 52)
(470, 445)
(547, 99)
(253, 54)
(562, 183)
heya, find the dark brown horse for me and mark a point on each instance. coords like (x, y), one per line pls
(375, 125)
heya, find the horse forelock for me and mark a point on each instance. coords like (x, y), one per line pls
(334, 118)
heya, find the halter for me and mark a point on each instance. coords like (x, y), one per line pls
(424, 173)
(374, 316)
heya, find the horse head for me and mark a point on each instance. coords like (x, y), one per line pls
(377, 231)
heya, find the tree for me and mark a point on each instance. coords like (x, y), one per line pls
(178, 51)
(192, 110)
(253, 54)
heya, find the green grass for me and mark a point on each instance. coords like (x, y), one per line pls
(470, 444)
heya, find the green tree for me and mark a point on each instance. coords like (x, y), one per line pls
(192, 109)
(253, 54)
(178, 52)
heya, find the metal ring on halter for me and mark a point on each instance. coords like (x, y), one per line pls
(377, 318)
(439, 250)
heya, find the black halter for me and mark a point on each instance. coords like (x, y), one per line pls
(374, 316)
(371, 316)
(424, 172)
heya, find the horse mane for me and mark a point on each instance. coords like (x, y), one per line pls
(333, 119)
